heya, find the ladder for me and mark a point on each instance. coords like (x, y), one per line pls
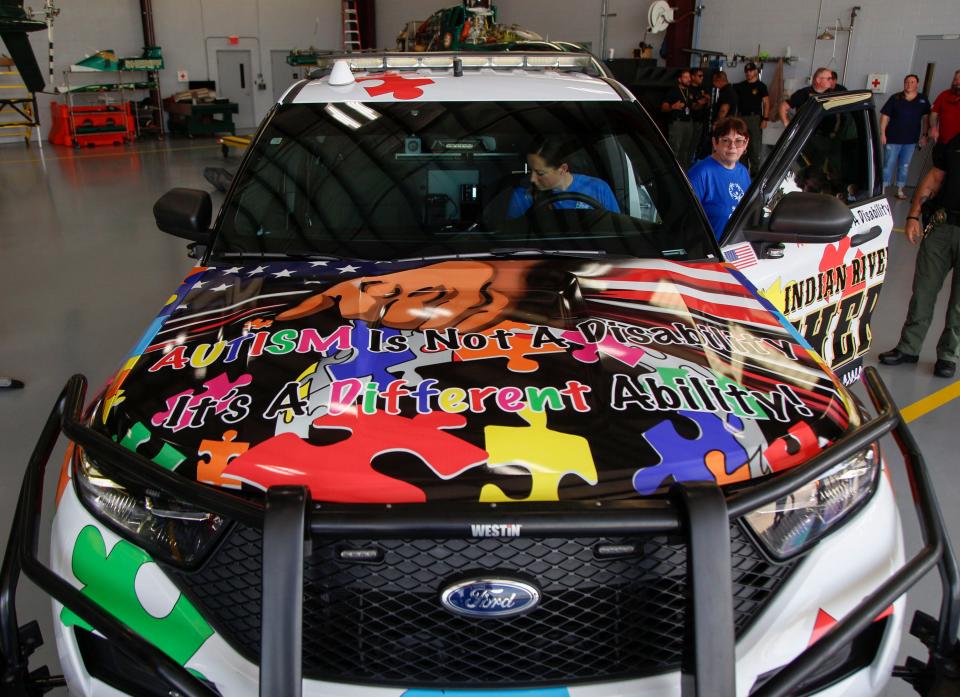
(351, 26)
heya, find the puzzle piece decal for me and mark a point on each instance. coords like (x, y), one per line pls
(798, 446)
(220, 453)
(541, 692)
(548, 456)
(407, 370)
(609, 346)
(366, 363)
(517, 354)
(400, 86)
(821, 625)
(169, 457)
(110, 581)
(65, 471)
(775, 294)
(220, 390)
(714, 453)
(343, 472)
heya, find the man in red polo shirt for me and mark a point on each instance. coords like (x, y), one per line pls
(945, 115)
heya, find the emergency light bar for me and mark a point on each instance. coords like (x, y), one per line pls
(512, 60)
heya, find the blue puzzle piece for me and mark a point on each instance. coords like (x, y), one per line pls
(543, 692)
(369, 363)
(684, 459)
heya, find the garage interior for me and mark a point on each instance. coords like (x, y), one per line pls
(84, 266)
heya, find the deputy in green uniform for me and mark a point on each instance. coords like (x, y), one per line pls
(939, 253)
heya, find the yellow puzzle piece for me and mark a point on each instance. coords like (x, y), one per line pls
(547, 455)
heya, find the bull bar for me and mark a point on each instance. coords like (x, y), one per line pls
(699, 511)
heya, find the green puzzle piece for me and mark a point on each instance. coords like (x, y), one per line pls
(109, 581)
(169, 457)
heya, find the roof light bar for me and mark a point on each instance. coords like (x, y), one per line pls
(528, 60)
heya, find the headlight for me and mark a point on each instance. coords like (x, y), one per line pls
(170, 531)
(792, 524)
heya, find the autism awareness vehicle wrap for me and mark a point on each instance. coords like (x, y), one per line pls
(473, 380)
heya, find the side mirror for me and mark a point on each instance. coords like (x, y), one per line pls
(185, 213)
(805, 217)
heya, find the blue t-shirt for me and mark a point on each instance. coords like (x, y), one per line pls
(905, 117)
(719, 190)
(522, 199)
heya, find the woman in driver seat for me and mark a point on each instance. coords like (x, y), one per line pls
(552, 181)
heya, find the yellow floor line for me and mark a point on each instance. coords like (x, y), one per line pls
(931, 402)
(124, 153)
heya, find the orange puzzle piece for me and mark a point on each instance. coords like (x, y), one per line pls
(221, 453)
(517, 354)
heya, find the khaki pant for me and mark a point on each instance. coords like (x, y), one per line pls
(939, 252)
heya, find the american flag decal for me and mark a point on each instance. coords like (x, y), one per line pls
(742, 256)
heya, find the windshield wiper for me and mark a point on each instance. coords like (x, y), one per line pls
(535, 251)
(283, 255)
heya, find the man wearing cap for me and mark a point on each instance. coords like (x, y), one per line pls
(754, 102)
(939, 254)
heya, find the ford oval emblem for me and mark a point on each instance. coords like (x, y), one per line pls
(490, 597)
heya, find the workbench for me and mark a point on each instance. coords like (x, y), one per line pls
(202, 119)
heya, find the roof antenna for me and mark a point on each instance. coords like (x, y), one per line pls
(457, 66)
(341, 74)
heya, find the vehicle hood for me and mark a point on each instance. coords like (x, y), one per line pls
(472, 379)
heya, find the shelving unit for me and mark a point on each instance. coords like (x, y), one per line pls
(112, 122)
(148, 114)
(18, 106)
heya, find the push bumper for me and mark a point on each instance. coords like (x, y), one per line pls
(699, 512)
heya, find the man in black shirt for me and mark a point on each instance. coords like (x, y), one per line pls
(754, 103)
(725, 104)
(820, 85)
(678, 103)
(834, 85)
(701, 114)
(822, 151)
(939, 253)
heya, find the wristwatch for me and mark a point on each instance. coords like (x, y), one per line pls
(913, 217)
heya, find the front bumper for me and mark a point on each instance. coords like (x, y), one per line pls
(700, 513)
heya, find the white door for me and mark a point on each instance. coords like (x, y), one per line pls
(282, 75)
(830, 156)
(235, 82)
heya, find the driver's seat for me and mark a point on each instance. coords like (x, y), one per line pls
(495, 208)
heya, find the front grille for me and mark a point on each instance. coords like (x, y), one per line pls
(599, 619)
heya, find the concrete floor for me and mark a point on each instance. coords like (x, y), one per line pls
(84, 269)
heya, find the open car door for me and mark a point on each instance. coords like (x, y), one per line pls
(811, 232)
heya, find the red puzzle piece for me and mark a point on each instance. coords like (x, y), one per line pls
(799, 445)
(833, 257)
(343, 472)
(401, 87)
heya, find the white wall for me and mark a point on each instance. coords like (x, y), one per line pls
(562, 20)
(884, 34)
(190, 31)
(883, 41)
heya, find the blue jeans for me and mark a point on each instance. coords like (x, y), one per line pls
(892, 152)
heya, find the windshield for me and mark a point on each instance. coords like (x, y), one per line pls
(399, 180)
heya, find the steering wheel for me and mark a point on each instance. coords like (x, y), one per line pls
(557, 196)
